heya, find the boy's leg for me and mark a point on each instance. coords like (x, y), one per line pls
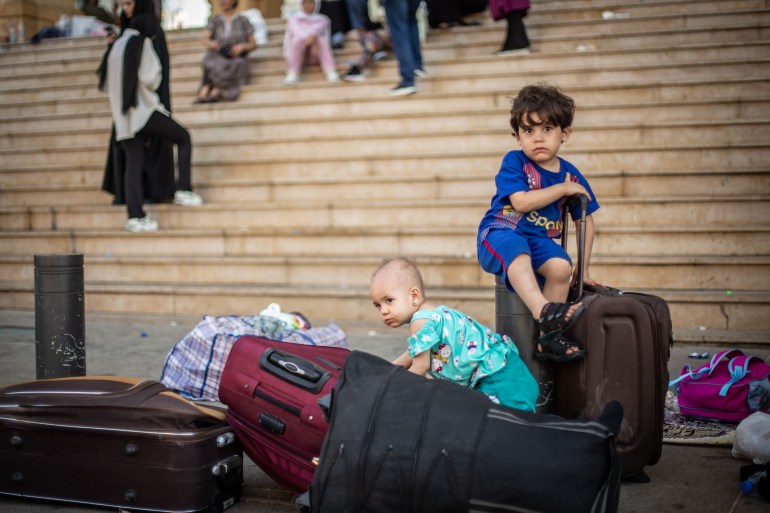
(557, 273)
(505, 253)
(523, 280)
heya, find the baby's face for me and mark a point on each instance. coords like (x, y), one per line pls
(392, 299)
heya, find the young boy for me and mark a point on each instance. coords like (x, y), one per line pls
(515, 239)
(448, 343)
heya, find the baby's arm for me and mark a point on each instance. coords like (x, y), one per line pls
(404, 360)
(421, 363)
(527, 201)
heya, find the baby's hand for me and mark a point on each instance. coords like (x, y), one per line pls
(574, 188)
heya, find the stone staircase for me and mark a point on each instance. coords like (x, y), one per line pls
(309, 187)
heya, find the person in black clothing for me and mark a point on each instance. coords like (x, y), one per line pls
(450, 13)
(158, 174)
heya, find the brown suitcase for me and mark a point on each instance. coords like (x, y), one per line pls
(627, 337)
(118, 442)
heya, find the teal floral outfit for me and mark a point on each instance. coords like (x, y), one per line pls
(467, 352)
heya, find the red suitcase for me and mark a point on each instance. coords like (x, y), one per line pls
(272, 390)
(117, 442)
(627, 337)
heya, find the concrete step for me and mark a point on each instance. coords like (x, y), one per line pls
(706, 79)
(240, 239)
(624, 166)
(339, 147)
(187, 78)
(25, 133)
(707, 309)
(727, 273)
(543, 19)
(602, 101)
(220, 185)
(442, 45)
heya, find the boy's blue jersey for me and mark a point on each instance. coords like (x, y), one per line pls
(519, 173)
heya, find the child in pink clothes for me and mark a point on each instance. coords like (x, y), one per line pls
(307, 41)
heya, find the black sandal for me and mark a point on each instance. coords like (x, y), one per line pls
(555, 346)
(553, 317)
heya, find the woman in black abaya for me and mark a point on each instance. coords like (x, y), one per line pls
(158, 173)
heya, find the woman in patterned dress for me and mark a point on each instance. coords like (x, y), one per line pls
(229, 37)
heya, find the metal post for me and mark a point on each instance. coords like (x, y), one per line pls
(60, 342)
(513, 318)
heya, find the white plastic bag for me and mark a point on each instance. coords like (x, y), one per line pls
(258, 23)
(752, 438)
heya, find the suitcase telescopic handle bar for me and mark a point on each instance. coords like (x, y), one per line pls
(582, 199)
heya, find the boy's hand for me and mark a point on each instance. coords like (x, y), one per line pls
(574, 188)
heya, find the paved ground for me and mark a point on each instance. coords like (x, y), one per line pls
(687, 479)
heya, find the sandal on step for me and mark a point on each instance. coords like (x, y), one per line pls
(555, 346)
(553, 317)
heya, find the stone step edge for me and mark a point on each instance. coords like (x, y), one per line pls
(327, 231)
(445, 42)
(440, 178)
(94, 95)
(427, 180)
(8, 131)
(480, 60)
(342, 139)
(292, 259)
(548, 13)
(344, 204)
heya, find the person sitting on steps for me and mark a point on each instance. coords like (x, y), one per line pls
(515, 237)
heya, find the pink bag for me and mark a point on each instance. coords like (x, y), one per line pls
(729, 388)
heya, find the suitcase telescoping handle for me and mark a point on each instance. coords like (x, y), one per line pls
(294, 369)
(582, 199)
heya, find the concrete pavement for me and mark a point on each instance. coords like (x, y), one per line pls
(692, 479)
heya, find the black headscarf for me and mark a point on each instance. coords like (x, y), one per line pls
(140, 7)
(158, 44)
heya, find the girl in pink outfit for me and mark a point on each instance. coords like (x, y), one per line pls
(307, 41)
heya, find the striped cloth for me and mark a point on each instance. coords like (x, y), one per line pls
(194, 365)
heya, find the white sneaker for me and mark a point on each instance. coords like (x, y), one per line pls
(142, 224)
(187, 199)
(291, 78)
(332, 76)
(421, 73)
(402, 90)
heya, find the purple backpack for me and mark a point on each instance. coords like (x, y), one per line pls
(732, 386)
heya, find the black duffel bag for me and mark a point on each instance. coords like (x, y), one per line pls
(398, 442)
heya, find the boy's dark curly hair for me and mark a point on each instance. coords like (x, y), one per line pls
(547, 101)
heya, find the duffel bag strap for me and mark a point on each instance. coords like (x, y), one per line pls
(739, 368)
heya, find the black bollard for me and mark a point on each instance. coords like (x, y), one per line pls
(513, 318)
(60, 341)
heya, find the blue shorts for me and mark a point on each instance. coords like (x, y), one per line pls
(511, 386)
(501, 247)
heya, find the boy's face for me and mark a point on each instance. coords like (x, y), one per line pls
(393, 298)
(541, 142)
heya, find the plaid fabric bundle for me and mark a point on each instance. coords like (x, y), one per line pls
(194, 365)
